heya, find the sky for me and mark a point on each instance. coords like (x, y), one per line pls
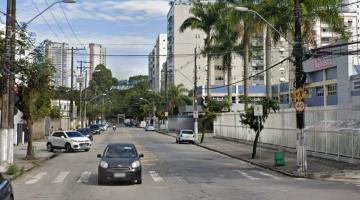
(122, 26)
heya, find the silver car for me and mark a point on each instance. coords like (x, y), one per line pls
(185, 136)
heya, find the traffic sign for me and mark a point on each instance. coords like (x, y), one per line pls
(258, 110)
(196, 114)
(299, 106)
(299, 94)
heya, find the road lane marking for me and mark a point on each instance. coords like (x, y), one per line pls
(268, 175)
(155, 176)
(246, 175)
(84, 177)
(61, 177)
(36, 178)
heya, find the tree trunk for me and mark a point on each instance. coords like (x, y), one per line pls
(255, 144)
(229, 78)
(203, 131)
(208, 76)
(246, 64)
(29, 152)
(268, 62)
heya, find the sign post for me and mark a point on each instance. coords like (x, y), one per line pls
(258, 112)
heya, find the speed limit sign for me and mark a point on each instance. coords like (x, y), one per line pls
(300, 106)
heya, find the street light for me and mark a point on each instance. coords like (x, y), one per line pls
(245, 9)
(62, 1)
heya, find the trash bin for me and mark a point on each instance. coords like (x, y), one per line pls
(279, 158)
(34, 151)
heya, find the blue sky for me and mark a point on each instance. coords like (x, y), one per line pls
(119, 22)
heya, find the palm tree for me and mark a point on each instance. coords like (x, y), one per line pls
(225, 42)
(204, 19)
(177, 97)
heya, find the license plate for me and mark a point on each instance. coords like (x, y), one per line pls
(119, 175)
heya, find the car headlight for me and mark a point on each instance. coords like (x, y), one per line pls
(135, 164)
(104, 164)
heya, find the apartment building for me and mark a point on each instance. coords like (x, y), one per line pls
(157, 59)
(59, 56)
(97, 56)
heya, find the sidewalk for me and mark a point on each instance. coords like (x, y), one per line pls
(26, 165)
(317, 167)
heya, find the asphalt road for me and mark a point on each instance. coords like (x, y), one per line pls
(170, 171)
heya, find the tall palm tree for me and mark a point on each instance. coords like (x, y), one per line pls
(280, 13)
(204, 19)
(225, 42)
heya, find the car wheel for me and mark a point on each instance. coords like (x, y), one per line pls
(139, 181)
(101, 181)
(68, 148)
(87, 150)
(49, 147)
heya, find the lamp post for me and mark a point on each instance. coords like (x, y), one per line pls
(56, 2)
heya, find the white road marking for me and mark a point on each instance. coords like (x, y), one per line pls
(269, 175)
(61, 177)
(301, 179)
(155, 176)
(246, 175)
(36, 178)
(84, 177)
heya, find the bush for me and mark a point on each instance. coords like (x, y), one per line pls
(12, 170)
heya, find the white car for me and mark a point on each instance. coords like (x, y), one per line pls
(149, 128)
(68, 140)
(185, 136)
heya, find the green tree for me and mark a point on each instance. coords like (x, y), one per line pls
(248, 118)
(204, 19)
(34, 95)
(177, 98)
(211, 110)
(102, 80)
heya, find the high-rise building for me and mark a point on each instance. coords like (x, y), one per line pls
(59, 56)
(97, 56)
(157, 58)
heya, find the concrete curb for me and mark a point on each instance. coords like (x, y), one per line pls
(36, 164)
(284, 172)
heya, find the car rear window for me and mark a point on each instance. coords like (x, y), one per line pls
(120, 151)
(187, 132)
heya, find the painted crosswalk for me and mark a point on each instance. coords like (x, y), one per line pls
(84, 177)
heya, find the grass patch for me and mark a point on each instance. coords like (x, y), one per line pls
(12, 170)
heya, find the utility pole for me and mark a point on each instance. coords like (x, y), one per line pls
(195, 110)
(81, 68)
(7, 116)
(299, 86)
(268, 62)
(84, 118)
(71, 86)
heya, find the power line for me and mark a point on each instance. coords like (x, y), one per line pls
(58, 25)
(46, 22)
(71, 28)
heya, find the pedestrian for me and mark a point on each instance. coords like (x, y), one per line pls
(114, 127)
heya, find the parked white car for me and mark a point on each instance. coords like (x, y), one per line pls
(68, 140)
(149, 128)
(185, 136)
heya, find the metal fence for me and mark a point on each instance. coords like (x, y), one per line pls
(331, 131)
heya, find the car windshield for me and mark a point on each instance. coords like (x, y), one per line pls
(74, 134)
(120, 151)
(94, 126)
(187, 132)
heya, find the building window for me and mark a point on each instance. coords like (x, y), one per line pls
(219, 78)
(356, 85)
(332, 89)
(319, 91)
(218, 67)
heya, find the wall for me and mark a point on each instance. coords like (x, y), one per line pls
(181, 122)
(325, 132)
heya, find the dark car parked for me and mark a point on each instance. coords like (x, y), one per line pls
(6, 190)
(95, 129)
(120, 162)
(86, 132)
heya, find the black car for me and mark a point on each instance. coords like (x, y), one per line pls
(95, 129)
(86, 132)
(120, 162)
(6, 190)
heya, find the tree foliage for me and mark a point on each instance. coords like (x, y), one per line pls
(254, 122)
